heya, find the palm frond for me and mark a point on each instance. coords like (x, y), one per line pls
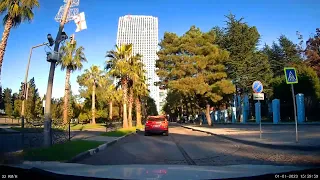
(18, 10)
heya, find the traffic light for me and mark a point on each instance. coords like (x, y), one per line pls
(50, 40)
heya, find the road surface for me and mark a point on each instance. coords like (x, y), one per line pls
(187, 147)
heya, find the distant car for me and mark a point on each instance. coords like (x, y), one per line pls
(156, 125)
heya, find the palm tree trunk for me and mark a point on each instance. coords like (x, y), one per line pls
(93, 108)
(124, 84)
(138, 111)
(130, 107)
(3, 44)
(120, 110)
(208, 114)
(66, 96)
(110, 110)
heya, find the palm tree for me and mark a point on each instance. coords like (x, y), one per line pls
(118, 67)
(16, 12)
(140, 90)
(136, 74)
(113, 96)
(72, 59)
(92, 78)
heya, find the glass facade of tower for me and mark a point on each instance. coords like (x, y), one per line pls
(142, 33)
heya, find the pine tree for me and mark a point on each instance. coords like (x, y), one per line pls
(193, 65)
(33, 111)
(282, 54)
(8, 102)
(245, 64)
(16, 105)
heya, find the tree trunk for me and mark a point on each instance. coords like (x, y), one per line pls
(208, 114)
(124, 86)
(110, 110)
(66, 96)
(4, 41)
(120, 110)
(93, 108)
(138, 111)
(130, 107)
(143, 110)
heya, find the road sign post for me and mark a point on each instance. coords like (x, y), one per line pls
(292, 78)
(257, 88)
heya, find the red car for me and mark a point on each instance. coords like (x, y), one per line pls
(156, 124)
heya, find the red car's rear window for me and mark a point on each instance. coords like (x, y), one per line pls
(156, 119)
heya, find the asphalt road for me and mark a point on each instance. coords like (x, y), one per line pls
(187, 147)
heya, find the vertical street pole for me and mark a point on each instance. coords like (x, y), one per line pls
(47, 121)
(295, 112)
(260, 119)
(25, 94)
(25, 82)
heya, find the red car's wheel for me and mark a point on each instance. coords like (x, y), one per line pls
(166, 133)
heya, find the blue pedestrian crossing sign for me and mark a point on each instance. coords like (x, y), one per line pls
(291, 75)
(257, 87)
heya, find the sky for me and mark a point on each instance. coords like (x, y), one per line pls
(271, 17)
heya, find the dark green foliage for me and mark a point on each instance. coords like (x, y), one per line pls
(245, 64)
(282, 54)
(33, 107)
(8, 101)
(193, 65)
(151, 106)
(309, 85)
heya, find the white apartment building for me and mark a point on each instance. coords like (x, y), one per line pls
(142, 32)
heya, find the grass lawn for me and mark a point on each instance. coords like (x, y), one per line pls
(60, 152)
(121, 132)
(86, 126)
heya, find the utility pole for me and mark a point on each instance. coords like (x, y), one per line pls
(47, 114)
(25, 84)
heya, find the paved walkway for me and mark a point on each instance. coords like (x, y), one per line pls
(309, 135)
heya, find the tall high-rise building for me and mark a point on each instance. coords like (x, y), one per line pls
(142, 33)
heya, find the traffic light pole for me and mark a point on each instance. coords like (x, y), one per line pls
(47, 113)
(25, 93)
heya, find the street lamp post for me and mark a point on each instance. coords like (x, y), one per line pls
(25, 84)
(53, 60)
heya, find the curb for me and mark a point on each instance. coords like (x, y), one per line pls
(91, 152)
(266, 145)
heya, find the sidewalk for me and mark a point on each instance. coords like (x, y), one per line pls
(272, 135)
